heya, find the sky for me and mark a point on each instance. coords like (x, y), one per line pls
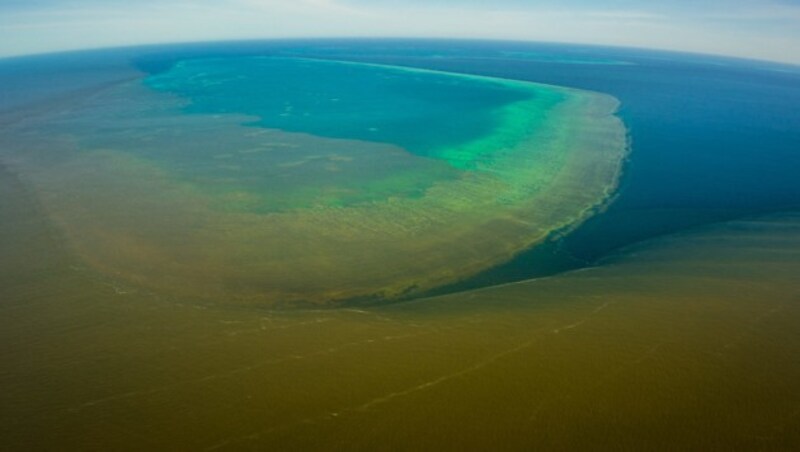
(761, 29)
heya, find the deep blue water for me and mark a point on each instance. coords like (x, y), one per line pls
(712, 138)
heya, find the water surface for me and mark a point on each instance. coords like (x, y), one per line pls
(279, 181)
(685, 341)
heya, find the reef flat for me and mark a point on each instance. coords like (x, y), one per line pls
(266, 181)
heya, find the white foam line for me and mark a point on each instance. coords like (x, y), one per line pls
(442, 379)
(420, 387)
(584, 320)
(380, 400)
(239, 370)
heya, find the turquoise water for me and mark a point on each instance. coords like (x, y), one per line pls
(421, 111)
(363, 132)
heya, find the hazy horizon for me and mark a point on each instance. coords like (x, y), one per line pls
(764, 30)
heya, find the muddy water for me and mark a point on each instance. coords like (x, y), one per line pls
(689, 341)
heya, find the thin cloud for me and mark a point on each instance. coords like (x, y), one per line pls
(768, 31)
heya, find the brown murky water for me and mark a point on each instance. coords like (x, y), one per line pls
(687, 342)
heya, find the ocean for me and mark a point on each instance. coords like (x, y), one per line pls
(663, 317)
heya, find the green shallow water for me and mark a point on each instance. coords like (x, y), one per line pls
(229, 181)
